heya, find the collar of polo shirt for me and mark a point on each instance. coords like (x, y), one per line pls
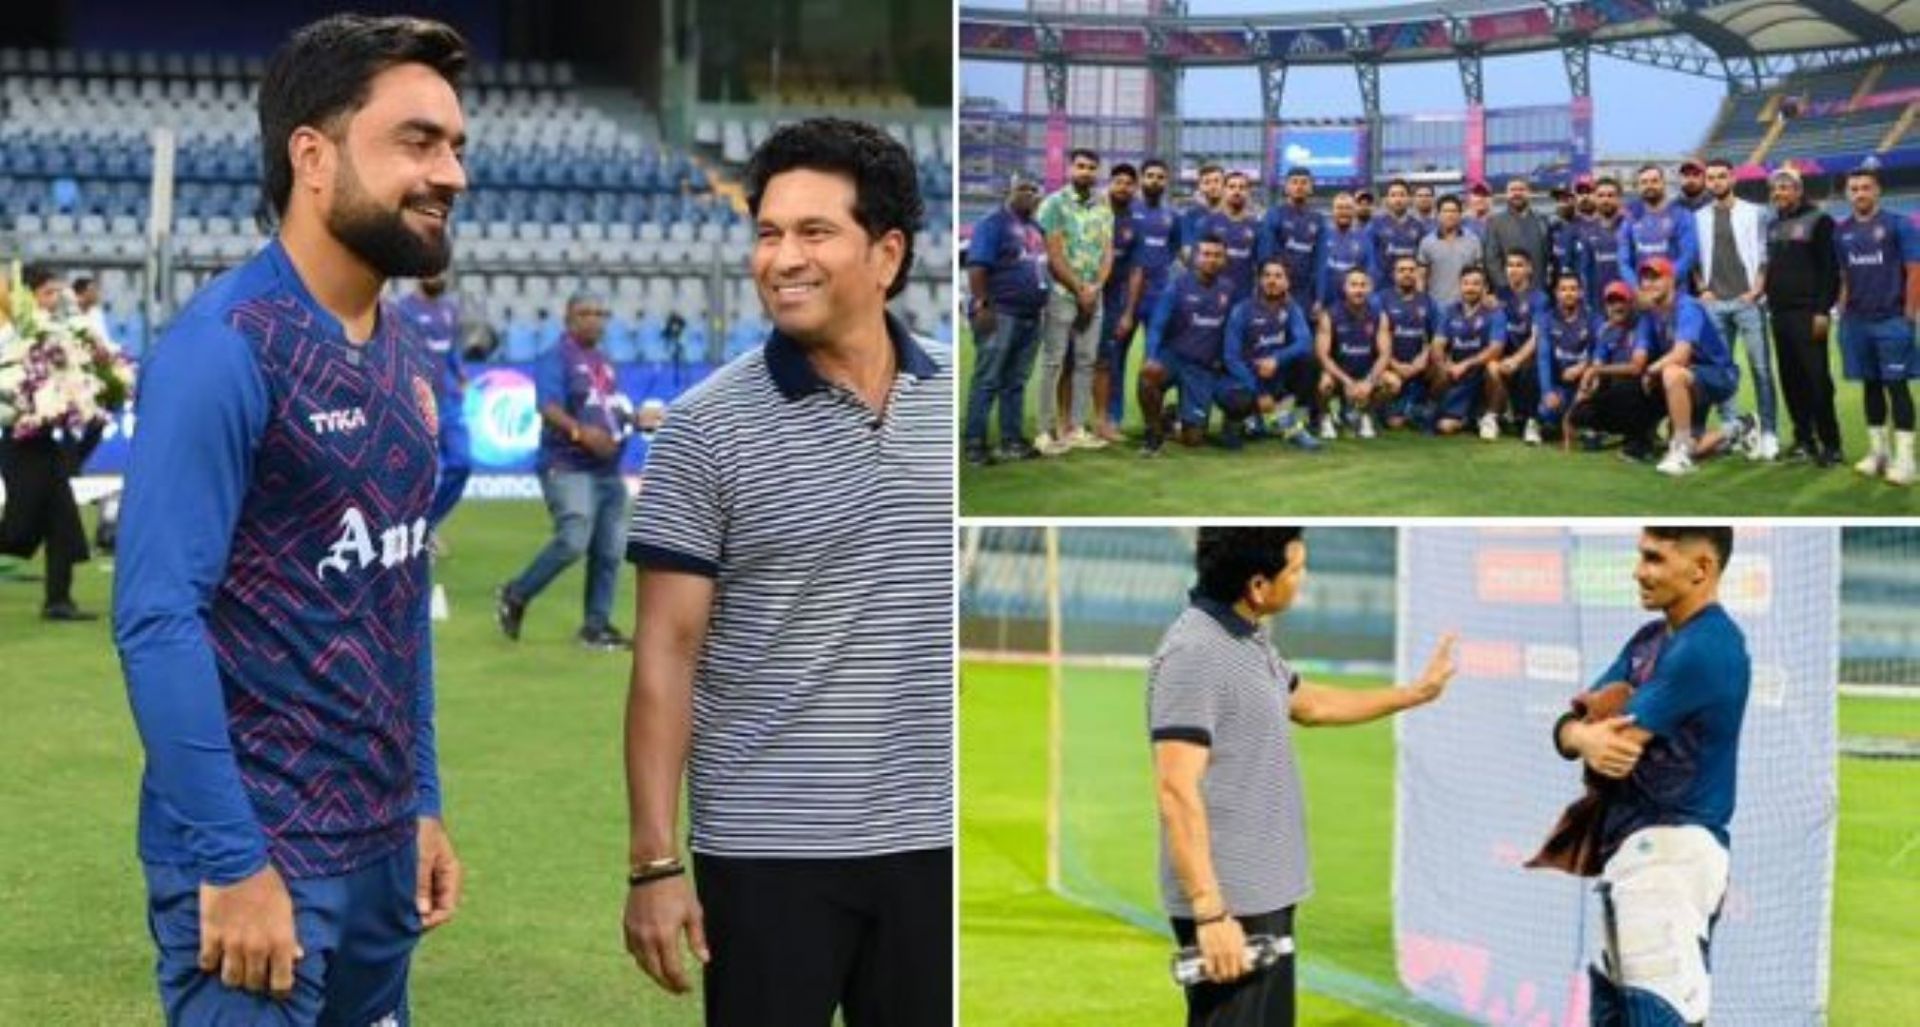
(794, 375)
(1236, 625)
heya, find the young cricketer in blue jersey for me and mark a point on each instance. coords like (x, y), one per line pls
(436, 319)
(1296, 234)
(1155, 247)
(1514, 377)
(1353, 345)
(1238, 229)
(1661, 228)
(1413, 319)
(1566, 335)
(1674, 756)
(1348, 246)
(270, 604)
(1116, 302)
(1472, 334)
(1689, 361)
(1270, 352)
(1879, 256)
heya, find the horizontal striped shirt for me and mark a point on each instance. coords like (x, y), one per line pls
(1217, 681)
(823, 699)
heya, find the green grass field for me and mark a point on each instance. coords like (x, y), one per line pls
(530, 758)
(1405, 474)
(1029, 956)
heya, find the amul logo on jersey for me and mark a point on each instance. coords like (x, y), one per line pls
(355, 548)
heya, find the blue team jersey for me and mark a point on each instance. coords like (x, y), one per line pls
(1690, 691)
(1014, 254)
(1156, 246)
(270, 599)
(1617, 343)
(1126, 243)
(1413, 319)
(1190, 321)
(1667, 232)
(1258, 330)
(1687, 322)
(580, 380)
(1565, 343)
(1297, 235)
(1563, 249)
(436, 320)
(1874, 255)
(1599, 256)
(1344, 251)
(1466, 334)
(1356, 337)
(1239, 234)
(1393, 238)
(1523, 312)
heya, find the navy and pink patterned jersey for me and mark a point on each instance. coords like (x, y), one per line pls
(270, 601)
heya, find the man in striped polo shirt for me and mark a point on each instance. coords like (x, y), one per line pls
(1233, 852)
(795, 541)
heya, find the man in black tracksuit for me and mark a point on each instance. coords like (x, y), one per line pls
(1803, 282)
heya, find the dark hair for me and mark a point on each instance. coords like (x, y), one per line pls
(1568, 276)
(1644, 168)
(886, 183)
(1401, 182)
(1209, 237)
(1080, 151)
(1872, 174)
(1241, 175)
(1428, 186)
(1449, 200)
(1228, 558)
(1276, 261)
(1408, 257)
(1208, 169)
(82, 283)
(1152, 162)
(1299, 172)
(1719, 537)
(1123, 168)
(1719, 162)
(324, 72)
(35, 275)
(1473, 269)
(1605, 180)
(1521, 255)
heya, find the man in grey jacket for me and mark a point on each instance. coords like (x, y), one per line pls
(1516, 228)
(1732, 281)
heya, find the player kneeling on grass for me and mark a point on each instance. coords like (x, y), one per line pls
(1669, 765)
(1566, 350)
(1515, 377)
(1690, 364)
(1233, 852)
(1186, 348)
(1473, 333)
(1610, 400)
(1270, 355)
(1354, 345)
(1413, 319)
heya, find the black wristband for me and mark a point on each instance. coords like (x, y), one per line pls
(1557, 725)
(656, 870)
(1214, 919)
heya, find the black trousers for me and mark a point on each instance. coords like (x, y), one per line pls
(1806, 377)
(794, 939)
(40, 511)
(1262, 999)
(1621, 407)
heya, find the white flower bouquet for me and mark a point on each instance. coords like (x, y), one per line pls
(56, 373)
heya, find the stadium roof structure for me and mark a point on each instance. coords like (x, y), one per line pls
(1745, 43)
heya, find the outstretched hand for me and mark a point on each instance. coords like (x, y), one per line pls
(1439, 671)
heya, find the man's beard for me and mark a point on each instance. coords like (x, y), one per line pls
(380, 236)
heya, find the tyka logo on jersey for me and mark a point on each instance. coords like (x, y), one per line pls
(327, 422)
(354, 549)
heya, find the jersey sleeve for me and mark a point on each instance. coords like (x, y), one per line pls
(1497, 328)
(1299, 337)
(1235, 347)
(1184, 705)
(1907, 235)
(680, 519)
(1689, 324)
(550, 382)
(202, 409)
(1162, 316)
(426, 751)
(1686, 680)
(986, 240)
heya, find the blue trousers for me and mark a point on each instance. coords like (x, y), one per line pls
(589, 519)
(358, 931)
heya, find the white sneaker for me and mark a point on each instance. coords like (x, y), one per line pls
(1766, 448)
(1532, 436)
(1900, 471)
(1366, 426)
(1873, 465)
(1676, 463)
(1047, 445)
(1080, 438)
(1489, 427)
(1327, 430)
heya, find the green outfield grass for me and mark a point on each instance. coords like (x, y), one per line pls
(530, 739)
(1406, 474)
(1029, 956)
